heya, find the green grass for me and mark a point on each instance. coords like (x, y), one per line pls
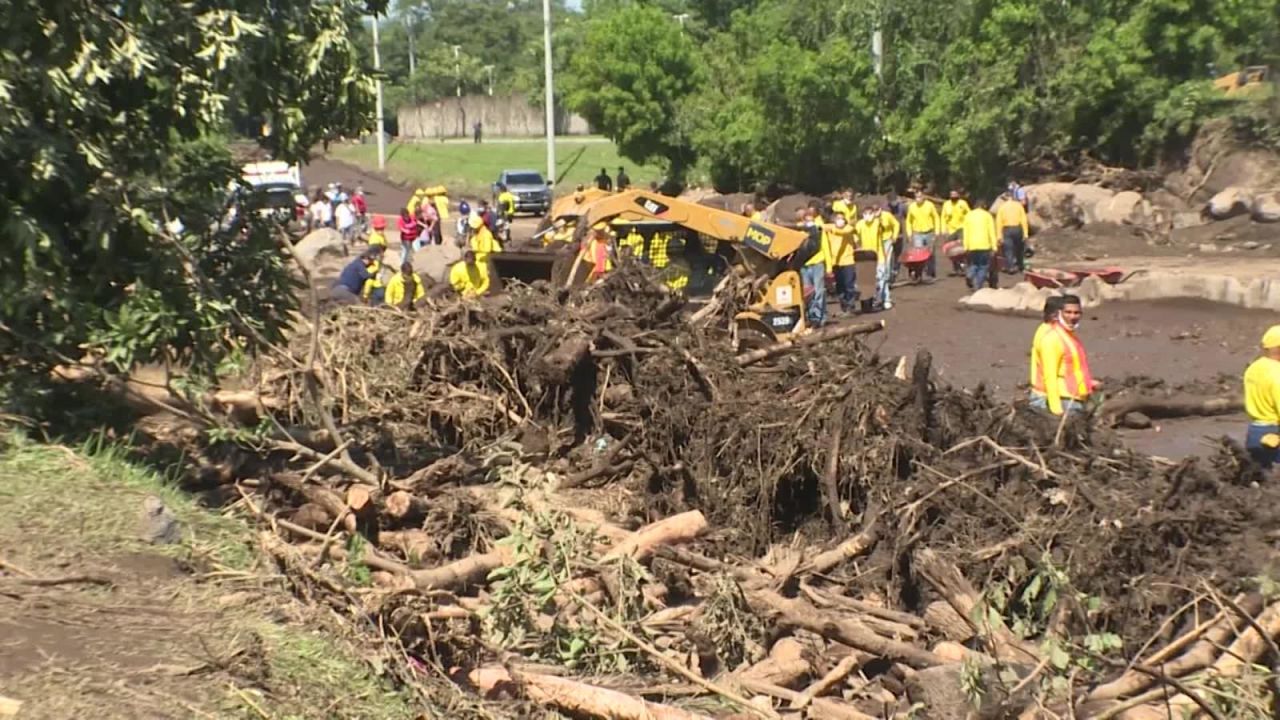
(469, 169)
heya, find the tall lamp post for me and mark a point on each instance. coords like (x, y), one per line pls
(549, 97)
(457, 69)
(489, 69)
(377, 82)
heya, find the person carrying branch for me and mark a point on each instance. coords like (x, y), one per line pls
(1262, 402)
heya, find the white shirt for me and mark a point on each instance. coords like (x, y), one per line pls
(322, 213)
(344, 215)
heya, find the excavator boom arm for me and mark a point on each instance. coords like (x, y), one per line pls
(773, 241)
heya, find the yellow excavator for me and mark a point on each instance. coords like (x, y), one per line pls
(763, 248)
(1243, 82)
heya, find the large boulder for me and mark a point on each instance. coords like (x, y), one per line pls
(1122, 208)
(1229, 203)
(1065, 205)
(319, 244)
(1266, 207)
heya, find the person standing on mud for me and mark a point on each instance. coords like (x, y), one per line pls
(839, 241)
(980, 244)
(1011, 223)
(1068, 382)
(923, 225)
(813, 274)
(1262, 402)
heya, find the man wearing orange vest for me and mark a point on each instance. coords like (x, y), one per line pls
(1063, 374)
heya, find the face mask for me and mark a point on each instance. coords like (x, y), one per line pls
(1063, 322)
(840, 222)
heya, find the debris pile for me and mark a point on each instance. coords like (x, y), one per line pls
(581, 500)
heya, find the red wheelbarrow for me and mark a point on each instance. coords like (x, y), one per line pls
(1065, 278)
(915, 260)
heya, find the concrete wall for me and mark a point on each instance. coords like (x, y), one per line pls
(502, 116)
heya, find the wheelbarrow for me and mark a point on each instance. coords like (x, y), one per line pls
(916, 259)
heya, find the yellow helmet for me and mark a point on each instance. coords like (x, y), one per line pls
(474, 222)
(1271, 338)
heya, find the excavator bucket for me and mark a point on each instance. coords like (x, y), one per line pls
(530, 266)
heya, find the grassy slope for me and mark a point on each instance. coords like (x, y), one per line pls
(470, 169)
(71, 511)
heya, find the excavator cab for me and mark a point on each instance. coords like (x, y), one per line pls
(778, 316)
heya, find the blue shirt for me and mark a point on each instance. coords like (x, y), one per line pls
(353, 276)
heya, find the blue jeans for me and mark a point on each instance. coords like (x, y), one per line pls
(815, 277)
(979, 264)
(846, 286)
(1015, 246)
(884, 274)
(925, 240)
(1261, 454)
(1040, 402)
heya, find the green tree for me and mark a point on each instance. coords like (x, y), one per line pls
(111, 117)
(629, 77)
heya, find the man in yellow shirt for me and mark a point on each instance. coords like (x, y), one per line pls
(470, 278)
(980, 243)
(1011, 223)
(813, 274)
(1062, 364)
(845, 206)
(876, 231)
(482, 240)
(1262, 402)
(954, 210)
(923, 224)
(378, 238)
(398, 292)
(839, 243)
(506, 203)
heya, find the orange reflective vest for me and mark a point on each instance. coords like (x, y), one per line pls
(1063, 368)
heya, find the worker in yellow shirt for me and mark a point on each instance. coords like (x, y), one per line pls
(482, 240)
(980, 243)
(923, 225)
(1011, 223)
(1052, 305)
(631, 244)
(954, 210)
(1062, 363)
(839, 242)
(875, 232)
(378, 237)
(658, 256)
(560, 232)
(1262, 402)
(470, 277)
(415, 202)
(844, 205)
(816, 268)
(374, 291)
(506, 203)
(405, 288)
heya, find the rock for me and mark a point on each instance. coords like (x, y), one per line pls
(1135, 421)
(1249, 245)
(1266, 207)
(1059, 204)
(1230, 203)
(1121, 208)
(159, 525)
(944, 693)
(1207, 248)
(1184, 220)
(324, 242)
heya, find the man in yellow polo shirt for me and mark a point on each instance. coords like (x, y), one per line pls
(980, 244)
(839, 240)
(923, 224)
(1011, 223)
(1262, 402)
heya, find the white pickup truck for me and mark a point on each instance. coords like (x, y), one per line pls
(282, 184)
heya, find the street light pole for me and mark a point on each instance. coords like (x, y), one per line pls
(457, 68)
(549, 97)
(489, 69)
(413, 63)
(377, 81)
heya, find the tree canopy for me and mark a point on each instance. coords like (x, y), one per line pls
(112, 122)
(967, 93)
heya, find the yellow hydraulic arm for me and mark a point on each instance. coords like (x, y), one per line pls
(773, 241)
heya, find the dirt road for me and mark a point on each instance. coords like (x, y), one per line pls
(383, 195)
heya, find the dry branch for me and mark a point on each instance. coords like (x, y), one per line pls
(947, 579)
(668, 531)
(573, 696)
(816, 337)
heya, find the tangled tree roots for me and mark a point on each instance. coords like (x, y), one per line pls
(862, 516)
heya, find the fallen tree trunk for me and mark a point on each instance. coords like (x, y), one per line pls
(785, 665)
(332, 502)
(800, 614)
(847, 550)
(404, 508)
(462, 573)
(668, 531)
(947, 579)
(573, 696)
(816, 337)
(1171, 407)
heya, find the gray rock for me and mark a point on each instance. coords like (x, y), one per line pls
(1266, 207)
(1229, 203)
(1207, 248)
(1185, 220)
(942, 693)
(159, 525)
(319, 243)
(1121, 208)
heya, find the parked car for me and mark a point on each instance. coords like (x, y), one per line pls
(532, 191)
